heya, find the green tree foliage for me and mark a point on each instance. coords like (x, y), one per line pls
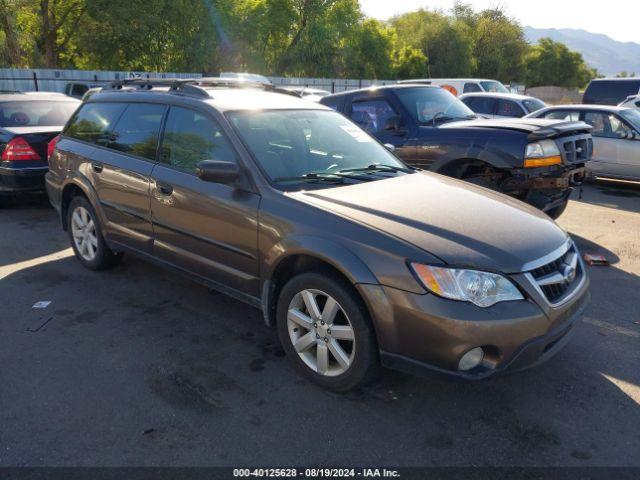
(552, 63)
(314, 38)
(446, 41)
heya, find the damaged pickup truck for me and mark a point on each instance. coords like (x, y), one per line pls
(534, 160)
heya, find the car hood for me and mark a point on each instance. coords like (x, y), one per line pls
(460, 223)
(536, 128)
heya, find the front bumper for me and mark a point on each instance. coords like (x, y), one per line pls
(419, 333)
(22, 180)
(547, 187)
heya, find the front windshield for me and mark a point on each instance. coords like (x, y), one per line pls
(309, 146)
(494, 87)
(40, 113)
(428, 105)
(633, 117)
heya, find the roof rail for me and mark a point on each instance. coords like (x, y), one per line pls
(196, 87)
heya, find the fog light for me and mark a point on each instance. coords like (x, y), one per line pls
(471, 359)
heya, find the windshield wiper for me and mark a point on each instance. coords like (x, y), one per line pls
(312, 177)
(377, 167)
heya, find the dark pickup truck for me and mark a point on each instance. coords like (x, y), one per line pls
(537, 161)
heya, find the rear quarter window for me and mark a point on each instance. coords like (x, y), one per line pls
(92, 122)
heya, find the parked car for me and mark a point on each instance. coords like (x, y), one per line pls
(429, 128)
(78, 89)
(292, 208)
(616, 137)
(632, 101)
(458, 86)
(313, 94)
(610, 91)
(501, 105)
(28, 122)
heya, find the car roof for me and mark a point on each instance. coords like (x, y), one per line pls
(449, 80)
(374, 88)
(582, 106)
(617, 79)
(223, 99)
(509, 96)
(30, 96)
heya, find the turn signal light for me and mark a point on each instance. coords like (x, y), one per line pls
(19, 149)
(542, 162)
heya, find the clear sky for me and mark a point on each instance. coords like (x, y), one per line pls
(619, 19)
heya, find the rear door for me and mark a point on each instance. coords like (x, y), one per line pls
(120, 169)
(208, 229)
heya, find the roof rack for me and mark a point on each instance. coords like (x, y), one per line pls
(196, 87)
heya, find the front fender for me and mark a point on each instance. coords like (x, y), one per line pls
(338, 256)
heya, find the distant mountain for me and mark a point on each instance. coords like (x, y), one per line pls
(600, 51)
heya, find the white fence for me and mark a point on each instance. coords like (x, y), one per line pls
(28, 80)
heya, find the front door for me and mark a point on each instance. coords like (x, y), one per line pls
(613, 144)
(208, 229)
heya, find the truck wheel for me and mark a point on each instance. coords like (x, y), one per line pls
(555, 212)
(326, 332)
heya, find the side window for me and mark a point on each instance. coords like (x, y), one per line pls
(562, 115)
(79, 89)
(482, 105)
(137, 130)
(190, 137)
(471, 88)
(606, 125)
(371, 115)
(507, 108)
(93, 121)
(332, 103)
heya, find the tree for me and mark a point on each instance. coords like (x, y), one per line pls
(552, 63)
(13, 53)
(409, 62)
(444, 40)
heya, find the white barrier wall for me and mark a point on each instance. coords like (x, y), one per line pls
(28, 80)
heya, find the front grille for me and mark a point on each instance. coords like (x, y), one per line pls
(578, 149)
(559, 277)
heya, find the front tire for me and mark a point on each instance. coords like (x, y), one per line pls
(86, 237)
(326, 332)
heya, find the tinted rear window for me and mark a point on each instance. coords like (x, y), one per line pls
(93, 121)
(483, 105)
(137, 130)
(40, 113)
(610, 92)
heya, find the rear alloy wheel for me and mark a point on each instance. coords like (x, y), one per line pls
(86, 238)
(326, 332)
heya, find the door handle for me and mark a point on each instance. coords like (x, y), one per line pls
(97, 166)
(164, 188)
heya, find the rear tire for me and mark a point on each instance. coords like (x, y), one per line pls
(85, 235)
(326, 332)
(555, 212)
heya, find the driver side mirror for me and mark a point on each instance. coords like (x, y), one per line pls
(216, 171)
(394, 124)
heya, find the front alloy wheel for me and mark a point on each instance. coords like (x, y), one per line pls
(326, 331)
(321, 333)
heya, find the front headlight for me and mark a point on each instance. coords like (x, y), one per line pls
(484, 289)
(542, 154)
